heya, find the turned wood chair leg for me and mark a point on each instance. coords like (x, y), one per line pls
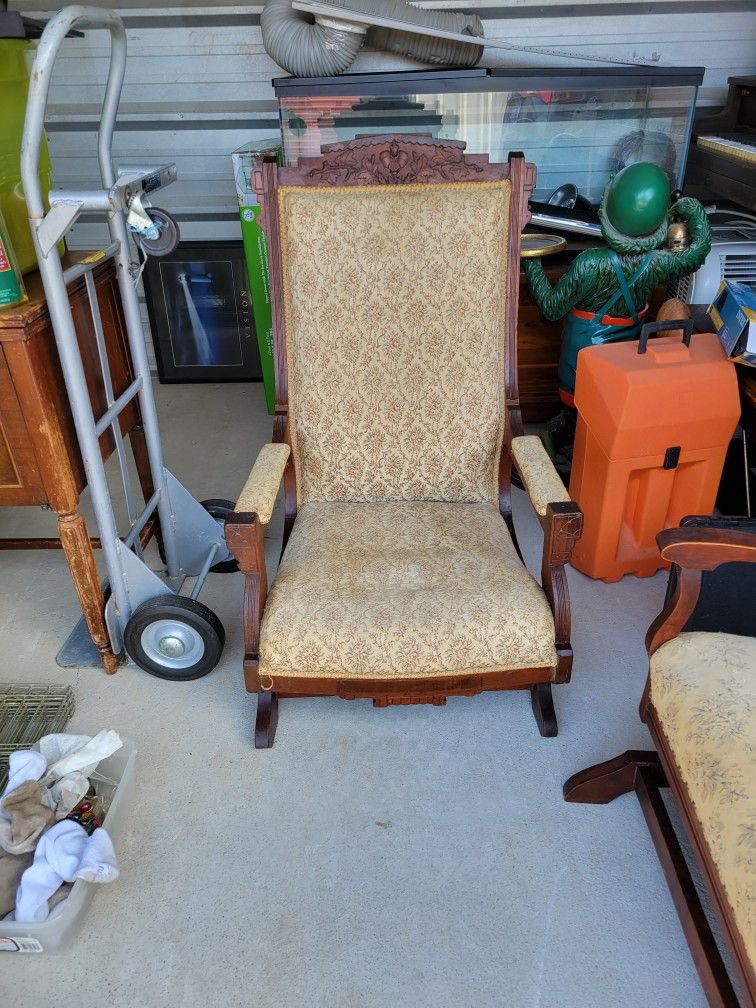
(543, 708)
(266, 721)
(603, 782)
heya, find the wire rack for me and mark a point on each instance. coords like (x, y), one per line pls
(27, 712)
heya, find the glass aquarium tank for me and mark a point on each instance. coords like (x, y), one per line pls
(578, 126)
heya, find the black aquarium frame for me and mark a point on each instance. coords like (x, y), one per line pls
(489, 79)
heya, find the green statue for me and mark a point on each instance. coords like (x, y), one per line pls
(604, 294)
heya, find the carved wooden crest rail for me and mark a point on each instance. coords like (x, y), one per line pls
(404, 160)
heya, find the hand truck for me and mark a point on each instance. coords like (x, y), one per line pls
(167, 634)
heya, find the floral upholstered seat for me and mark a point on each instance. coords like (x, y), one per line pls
(403, 589)
(703, 697)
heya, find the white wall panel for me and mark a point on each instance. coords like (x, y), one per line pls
(198, 80)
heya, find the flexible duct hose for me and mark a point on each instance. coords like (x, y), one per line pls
(306, 49)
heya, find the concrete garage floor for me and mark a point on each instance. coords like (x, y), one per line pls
(413, 856)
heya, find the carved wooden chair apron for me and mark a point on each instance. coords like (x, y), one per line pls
(394, 276)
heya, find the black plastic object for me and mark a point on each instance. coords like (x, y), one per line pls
(565, 196)
(652, 328)
(220, 509)
(178, 609)
(672, 457)
(168, 238)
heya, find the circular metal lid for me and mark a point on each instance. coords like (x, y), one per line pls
(536, 244)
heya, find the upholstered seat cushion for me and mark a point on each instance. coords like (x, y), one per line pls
(403, 589)
(703, 696)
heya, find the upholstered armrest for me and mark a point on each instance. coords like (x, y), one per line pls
(261, 489)
(541, 479)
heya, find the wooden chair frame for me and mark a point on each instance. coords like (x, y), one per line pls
(398, 160)
(692, 551)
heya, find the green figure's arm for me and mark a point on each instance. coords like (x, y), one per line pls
(590, 281)
(670, 265)
(554, 301)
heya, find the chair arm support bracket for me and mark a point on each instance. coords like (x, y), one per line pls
(563, 526)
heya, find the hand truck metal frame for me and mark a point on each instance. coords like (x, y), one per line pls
(167, 634)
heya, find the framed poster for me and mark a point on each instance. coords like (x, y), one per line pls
(201, 314)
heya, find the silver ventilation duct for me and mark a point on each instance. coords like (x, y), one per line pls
(327, 47)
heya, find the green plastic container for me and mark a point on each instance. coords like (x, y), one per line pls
(245, 159)
(16, 56)
(12, 290)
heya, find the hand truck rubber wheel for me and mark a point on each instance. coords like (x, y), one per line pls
(174, 637)
(220, 509)
(166, 241)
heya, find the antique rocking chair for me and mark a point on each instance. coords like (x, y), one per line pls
(395, 269)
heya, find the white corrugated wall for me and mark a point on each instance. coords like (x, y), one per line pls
(198, 81)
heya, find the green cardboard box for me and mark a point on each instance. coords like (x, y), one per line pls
(245, 160)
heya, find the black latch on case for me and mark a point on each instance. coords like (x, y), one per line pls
(672, 457)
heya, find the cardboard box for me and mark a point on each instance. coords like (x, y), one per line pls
(733, 313)
(245, 160)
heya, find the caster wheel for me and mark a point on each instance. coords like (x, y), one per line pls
(220, 510)
(173, 637)
(168, 238)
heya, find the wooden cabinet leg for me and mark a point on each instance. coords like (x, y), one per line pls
(74, 539)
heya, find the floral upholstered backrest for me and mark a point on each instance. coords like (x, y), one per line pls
(394, 302)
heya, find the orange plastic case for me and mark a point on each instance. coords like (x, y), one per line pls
(653, 428)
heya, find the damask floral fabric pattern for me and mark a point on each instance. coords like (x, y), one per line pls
(541, 479)
(703, 692)
(394, 308)
(403, 589)
(261, 489)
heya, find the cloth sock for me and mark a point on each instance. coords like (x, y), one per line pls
(56, 860)
(25, 816)
(99, 862)
(64, 853)
(12, 867)
(23, 765)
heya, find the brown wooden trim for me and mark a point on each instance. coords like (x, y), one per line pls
(563, 526)
(704, 549)
(245, 539)
(282, 435)
(603, 782)
(44, 543)
(677, 610)
(692, 824)
(40, 544)
(461, 684)
(693, 550)
(398, 159)
(266, 721)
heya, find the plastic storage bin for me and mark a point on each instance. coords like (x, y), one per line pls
(15, 61)
(654, 423)
(52, 935)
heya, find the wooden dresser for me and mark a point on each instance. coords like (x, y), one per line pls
(40, 462)
(538, 344)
